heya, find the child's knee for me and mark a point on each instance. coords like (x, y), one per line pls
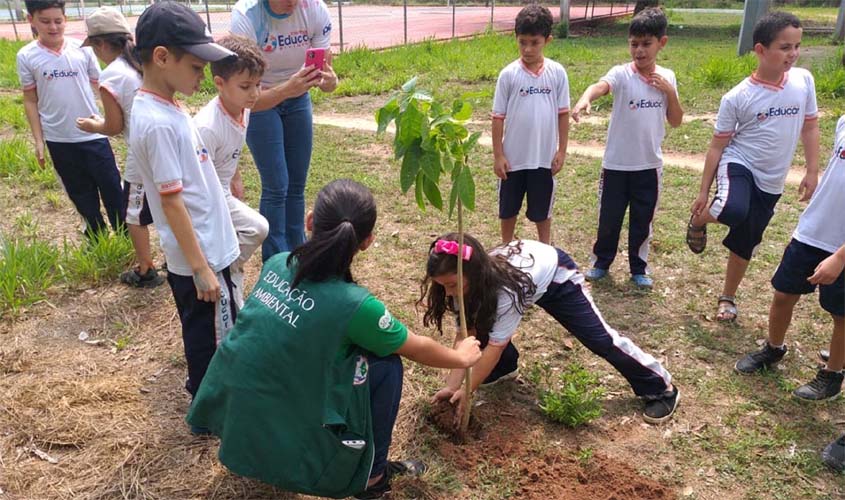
(782, 299)
(733, 213)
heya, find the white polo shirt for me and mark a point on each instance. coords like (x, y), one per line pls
(224, 138)
(122, 81)
(820, 225)
(530, 104)
(283, 41)
(636, 128)
(764, 122)
(541, 262)
(63, 82)
(171, 158)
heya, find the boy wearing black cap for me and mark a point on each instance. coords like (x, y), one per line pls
(185, 197)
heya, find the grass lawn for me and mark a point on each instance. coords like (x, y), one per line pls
(109, 410)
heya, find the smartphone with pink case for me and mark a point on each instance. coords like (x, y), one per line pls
(315, 57)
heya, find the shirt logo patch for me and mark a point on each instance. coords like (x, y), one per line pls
(773, 112)
(273, 41)
(59, 73)
(385, 321)
(644, 104)
(327, 28)
(840, 152)
(202, 155)
(532, 90)
(361, 370)
(236, 154)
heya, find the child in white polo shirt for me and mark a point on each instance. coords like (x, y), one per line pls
(110, 36)
(222, 125)
(757, 129)
(185, 197)
(814, 257)
(57, 74)
(644, 96)
(530, 126)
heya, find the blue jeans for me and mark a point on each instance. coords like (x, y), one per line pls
(385, 392)
(280, 140)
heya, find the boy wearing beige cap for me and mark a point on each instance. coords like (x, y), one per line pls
(110, 36)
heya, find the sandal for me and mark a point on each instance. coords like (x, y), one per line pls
(727, 309)
(696, 236)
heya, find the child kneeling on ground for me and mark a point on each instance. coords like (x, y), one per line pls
(499, 287)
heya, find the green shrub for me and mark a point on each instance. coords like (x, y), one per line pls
(100, 258)
(830, 78)
(720, 72)
(573, 398)
(27, 270)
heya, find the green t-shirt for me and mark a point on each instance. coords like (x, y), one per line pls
(375, 329)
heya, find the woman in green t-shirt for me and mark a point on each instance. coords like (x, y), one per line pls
(305, 389)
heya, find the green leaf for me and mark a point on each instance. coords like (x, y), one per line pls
(418, 192)
(410, 85)
(461, 110)
(410, 125)
(431, 165)
(467, 188)
(470, 143)
(410, 167)
(422, 95)
(448, 163)
(386, 114)
(432, 192)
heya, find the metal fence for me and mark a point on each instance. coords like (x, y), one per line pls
(364, 23)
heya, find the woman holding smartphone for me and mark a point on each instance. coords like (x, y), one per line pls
(280, 133)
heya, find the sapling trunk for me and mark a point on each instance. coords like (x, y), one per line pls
(463, 320)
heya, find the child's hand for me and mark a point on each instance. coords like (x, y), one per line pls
(470, 351)
(444, 394)
(208, 288)
(460, 404)
(557, 162)
(660, 83)
(808, 186)
(501, 167)
(582, 105)
(828, 270)
(39, 154)
(699, 205)
(92, 124)
(237, 187)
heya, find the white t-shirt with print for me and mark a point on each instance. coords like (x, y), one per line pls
(283, 41)
(541, 262)
(224, 138)
(820, 224)
(637, 120)
(171, 158)
(122, 81)
(764, 122)
(63, 82)
(530, 104)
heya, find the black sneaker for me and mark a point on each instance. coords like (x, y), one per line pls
(834, 454)
(766, 358)
(826, 385)
(412, 468)
(150, 279)
(506, 369)
(659, 409)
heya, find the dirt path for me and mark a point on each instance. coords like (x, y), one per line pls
(591, 150)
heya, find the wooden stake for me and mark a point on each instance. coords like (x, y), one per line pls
(463, 319)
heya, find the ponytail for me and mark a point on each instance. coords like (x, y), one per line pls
(125, 44)
(343, 218)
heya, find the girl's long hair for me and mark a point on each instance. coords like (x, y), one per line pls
(344, 216)
(488, 275)
(125, 44)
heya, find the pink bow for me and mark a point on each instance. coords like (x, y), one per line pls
(451, 248)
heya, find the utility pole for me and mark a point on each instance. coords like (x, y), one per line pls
(564, 15)
(839, 34)
(754, 10)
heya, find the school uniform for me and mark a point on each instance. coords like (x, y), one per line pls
(224, 138)
(171, 158)
(632, 167)
(84, 162)
(122, 81)
(561, 292)
(530, 103)
(764, 122)
(818, 235)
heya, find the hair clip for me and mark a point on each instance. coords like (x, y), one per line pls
(451, 248)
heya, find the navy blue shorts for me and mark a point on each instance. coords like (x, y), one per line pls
(799, 263)
(742, 206)
(538, 184)
(135, 204)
